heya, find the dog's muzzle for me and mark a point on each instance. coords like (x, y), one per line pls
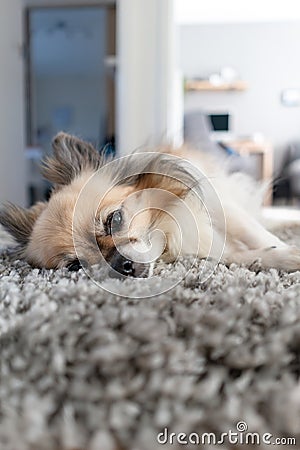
(122, 266)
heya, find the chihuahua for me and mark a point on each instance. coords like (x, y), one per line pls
(131, 211)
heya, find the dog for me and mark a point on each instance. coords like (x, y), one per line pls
(131, 211)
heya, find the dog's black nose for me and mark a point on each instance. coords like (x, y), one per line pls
(127, 267)
(124, 266)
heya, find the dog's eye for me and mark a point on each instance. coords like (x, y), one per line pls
(74, 265)
(114, 222)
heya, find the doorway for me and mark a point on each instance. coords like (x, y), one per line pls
(70, 73)
(70, 80)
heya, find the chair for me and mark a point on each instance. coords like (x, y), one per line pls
(288, 181)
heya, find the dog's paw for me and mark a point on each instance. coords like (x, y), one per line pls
(285, 258)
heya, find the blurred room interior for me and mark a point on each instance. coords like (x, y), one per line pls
(128, 74)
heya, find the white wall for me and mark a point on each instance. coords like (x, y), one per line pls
(12, 166)
(145, 74)
(266, 57)
(235, 11)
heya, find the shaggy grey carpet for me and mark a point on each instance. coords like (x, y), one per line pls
(85, 369)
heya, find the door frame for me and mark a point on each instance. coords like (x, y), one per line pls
(111, 6)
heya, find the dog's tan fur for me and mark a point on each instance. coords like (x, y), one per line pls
(45, 232)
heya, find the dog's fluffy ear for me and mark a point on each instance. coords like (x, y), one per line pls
(163, 182)
(162, 171)
(71, 157)
(19, 221)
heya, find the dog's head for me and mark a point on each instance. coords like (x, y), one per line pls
(101, 209)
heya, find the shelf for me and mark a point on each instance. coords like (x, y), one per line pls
(205, 85)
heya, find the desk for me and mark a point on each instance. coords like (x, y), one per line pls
(264, 150)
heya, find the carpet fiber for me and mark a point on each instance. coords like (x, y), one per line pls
(85, 369)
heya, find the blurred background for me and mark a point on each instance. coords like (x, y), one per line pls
(221, 76)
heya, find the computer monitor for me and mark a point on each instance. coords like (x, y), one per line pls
(220, 124)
